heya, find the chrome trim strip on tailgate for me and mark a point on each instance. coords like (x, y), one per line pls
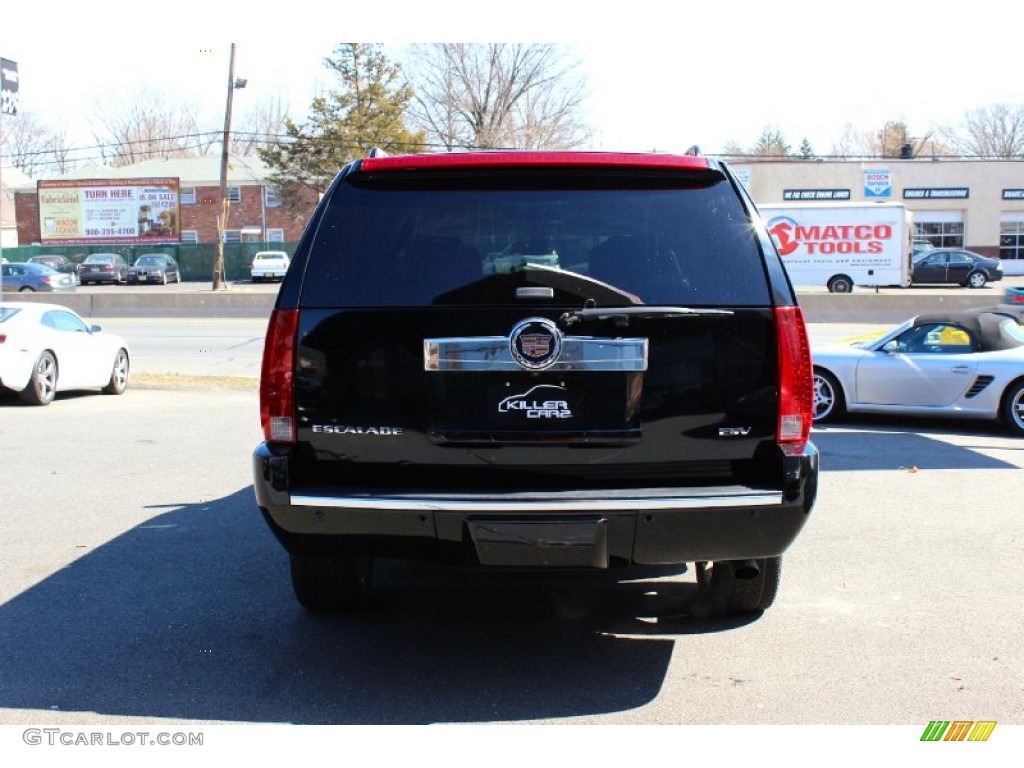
(766, 499)
(492, 353)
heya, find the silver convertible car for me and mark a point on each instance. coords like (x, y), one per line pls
(968, 364)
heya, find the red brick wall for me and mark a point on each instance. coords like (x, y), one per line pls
(202, 217)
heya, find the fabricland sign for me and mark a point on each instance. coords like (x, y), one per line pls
(92, 211)
(1013, 194)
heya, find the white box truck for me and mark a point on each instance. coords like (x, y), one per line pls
(840, 245)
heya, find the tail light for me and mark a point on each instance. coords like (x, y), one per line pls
(108, 268)
(796, 382)
(47, 279)
(277, 377)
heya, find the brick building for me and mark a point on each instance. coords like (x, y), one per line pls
(256, 213)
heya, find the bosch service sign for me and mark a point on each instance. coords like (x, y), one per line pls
(877, 182)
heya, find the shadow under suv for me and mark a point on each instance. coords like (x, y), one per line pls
(536, 360)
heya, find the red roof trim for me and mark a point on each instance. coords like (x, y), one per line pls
(565, 159)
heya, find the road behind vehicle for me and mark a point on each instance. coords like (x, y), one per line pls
(269, 265)
(47, 348)
(27, 277)
(957, 267)
(532, 360)
(842, 245)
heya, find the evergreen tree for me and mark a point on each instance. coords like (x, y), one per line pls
(367, 110)
(806, 150)
(771, 143)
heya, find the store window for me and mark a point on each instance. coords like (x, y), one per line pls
(275, 235)
(943, 229)
(187, 195)
(232, 236)
(1011, 236)
(189, 236)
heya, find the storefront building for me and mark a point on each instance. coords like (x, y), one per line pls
(972, 204)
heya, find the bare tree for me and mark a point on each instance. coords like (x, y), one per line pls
(29, 144)
(148, 125)
(993, 131)
(511, 95)
(893, 140)
(259, 127)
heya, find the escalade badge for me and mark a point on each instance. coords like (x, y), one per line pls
(535, 343)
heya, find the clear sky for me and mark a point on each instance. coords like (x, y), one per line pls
(661, 75)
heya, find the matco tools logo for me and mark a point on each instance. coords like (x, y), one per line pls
(827, 239)
(532, 406)
(535, 343)
(958, 730)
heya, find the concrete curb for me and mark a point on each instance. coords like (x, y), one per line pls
(819, 307)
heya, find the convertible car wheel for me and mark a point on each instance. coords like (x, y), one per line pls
(828, 396)
(1013, 408)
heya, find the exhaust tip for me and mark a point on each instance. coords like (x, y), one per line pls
(746, 569)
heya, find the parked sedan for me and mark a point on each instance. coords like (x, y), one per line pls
(28, 278)
(57, 262)
(269, 265)
(964, 364)
(952, 265)
(154, 268)
(47, 348)
(103, 268)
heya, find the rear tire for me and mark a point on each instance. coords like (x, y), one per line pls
(724, 594)
(829, 403)
(42, 386)
(976, 280)
(840, 284)
(324, 583)
(119, 375)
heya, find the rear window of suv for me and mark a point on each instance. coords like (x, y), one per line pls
(419, 239)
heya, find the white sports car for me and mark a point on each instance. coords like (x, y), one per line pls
(968, 364)
(46, 348)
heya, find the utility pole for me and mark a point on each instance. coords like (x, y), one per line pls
(222, 221)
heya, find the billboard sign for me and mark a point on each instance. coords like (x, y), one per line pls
(8, 87)
(116, 211)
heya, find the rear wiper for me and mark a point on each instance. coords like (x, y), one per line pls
(623, 314)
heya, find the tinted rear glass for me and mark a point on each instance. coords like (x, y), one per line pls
(413, 240)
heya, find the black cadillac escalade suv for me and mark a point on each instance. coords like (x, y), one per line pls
(536, 360)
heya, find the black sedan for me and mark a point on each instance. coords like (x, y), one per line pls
(154, 268)
(957, 266)
(103, 268)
